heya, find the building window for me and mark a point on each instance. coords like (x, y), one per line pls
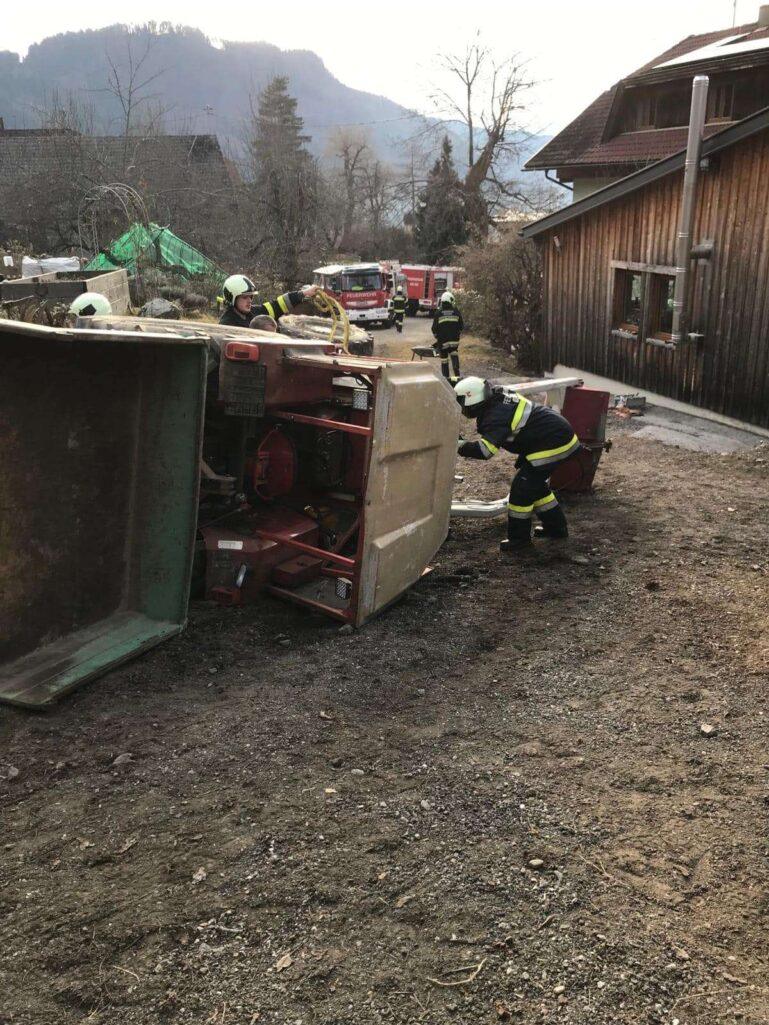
(675, 107)
(721, 101)
(628, 302)
(661, 291)
(642, 301)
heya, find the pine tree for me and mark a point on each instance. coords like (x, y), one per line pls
(440, 223)
(285, 182)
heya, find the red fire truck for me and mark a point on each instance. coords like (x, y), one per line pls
(364, 289)
(426, 284)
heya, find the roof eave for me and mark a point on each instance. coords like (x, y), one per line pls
(633, 182)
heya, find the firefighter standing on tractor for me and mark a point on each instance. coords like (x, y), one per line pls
(539, 436)
(399, 304)
(240, 295)
(447, 330)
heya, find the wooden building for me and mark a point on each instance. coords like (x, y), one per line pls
(609, 270)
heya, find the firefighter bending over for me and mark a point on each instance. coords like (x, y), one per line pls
(538, 435)
(400, 302)
(447, 329)
(240, 295)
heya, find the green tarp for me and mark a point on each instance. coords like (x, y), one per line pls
(153, 246)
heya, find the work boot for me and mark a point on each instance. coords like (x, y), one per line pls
(518, 547)
(518, 537)
(553, 526)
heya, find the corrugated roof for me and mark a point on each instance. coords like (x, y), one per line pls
(582, 141)
(735, 133)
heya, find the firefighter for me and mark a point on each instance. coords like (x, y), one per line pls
(538, 435)
(400, 302)
(240, 294)
(447, 330)
(91, 304)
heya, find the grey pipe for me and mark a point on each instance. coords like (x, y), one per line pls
(688, 199)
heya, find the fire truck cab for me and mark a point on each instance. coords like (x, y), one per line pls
(426, 284)
(363, 289)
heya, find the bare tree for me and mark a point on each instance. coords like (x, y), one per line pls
(492, 100)
(467, 68)
(128, 81)
(380, 192)
(349, 147)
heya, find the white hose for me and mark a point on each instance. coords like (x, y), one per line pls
(473, 509)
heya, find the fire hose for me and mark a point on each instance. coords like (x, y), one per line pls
(328, 305)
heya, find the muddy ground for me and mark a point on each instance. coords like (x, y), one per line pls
(495, 803)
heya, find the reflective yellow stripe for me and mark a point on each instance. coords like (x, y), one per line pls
(271, 310)
(492, 448)
(283, 303)
(543, 501)
(551, 453)
(519, 512)
(520, 409)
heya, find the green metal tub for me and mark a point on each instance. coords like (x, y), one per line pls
(100, 435)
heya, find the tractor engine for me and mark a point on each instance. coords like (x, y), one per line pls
(326, 477)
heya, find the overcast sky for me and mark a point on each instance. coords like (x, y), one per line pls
(576, 49)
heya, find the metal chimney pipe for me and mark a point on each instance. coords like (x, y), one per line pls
(688, 199)
(763, 15)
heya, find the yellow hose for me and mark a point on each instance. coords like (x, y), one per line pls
(327, 304)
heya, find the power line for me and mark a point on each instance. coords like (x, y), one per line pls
(214, 116)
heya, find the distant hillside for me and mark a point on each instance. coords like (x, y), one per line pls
(205, 87)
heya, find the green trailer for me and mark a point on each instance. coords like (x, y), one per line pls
(100, 439)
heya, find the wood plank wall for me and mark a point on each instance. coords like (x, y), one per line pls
(729, 297)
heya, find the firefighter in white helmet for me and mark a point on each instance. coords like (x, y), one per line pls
(240, 296)
(447, 330)
(538, 435)
(91, 304)
(399, 303)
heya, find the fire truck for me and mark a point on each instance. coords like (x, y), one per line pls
(425, 285)
(363, 289)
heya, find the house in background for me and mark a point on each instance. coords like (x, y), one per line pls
(643, 118)
(185, 180)
(609, 259)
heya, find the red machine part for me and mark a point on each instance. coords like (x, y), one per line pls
(229, 550)
(586, 410)
(275, 466)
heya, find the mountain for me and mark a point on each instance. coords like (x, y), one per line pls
(203, 87)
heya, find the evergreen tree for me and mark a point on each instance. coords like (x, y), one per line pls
(440, 222)
(285, 183)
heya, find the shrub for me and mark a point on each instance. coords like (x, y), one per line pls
(503, 297)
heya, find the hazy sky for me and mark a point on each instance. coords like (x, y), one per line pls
(575, 49)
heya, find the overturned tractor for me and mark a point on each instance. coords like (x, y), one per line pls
(139, 454)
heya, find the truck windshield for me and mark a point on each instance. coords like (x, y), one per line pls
(368, 281)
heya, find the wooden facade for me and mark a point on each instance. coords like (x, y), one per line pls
(628, 242)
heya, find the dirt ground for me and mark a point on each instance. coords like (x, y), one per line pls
(494, 803)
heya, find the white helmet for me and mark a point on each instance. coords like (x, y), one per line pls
(448, 297)
(471, 393)
(238, 284)
(91, 304)
(399, 289)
